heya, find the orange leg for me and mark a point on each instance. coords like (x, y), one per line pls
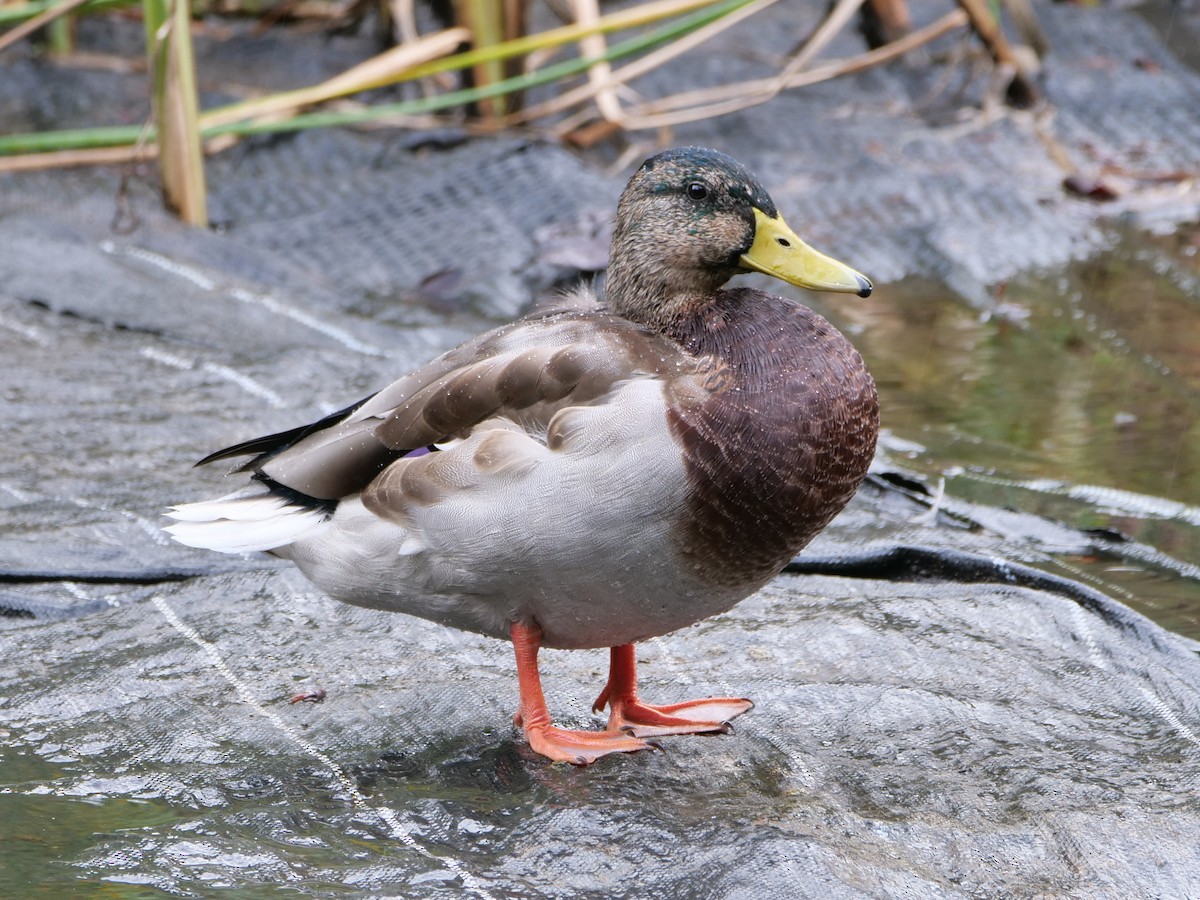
(630, 715)
(576, 747)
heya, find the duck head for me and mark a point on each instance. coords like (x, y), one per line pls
(688, 221)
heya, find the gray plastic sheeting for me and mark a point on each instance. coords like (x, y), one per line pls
(908, 741)
(923, 738)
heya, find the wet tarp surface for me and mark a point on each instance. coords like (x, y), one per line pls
(908, 741)
(956, 728)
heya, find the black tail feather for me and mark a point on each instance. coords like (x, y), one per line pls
(269, 445)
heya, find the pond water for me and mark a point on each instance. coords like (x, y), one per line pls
(1076, 397)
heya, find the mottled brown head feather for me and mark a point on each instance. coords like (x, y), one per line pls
(683, 223)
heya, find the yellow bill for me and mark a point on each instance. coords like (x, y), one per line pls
(778, 251)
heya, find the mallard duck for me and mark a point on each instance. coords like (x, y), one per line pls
(592, 475)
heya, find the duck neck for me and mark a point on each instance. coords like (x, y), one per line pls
(649, 287)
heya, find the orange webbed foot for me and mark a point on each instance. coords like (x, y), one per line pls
(580, 748)
(629, 715)
(709, 715)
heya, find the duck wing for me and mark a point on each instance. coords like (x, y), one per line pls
(520, 374)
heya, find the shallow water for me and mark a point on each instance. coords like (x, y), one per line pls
(1077, 397)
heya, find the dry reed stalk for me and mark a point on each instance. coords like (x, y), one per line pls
(689, 106)
(404, 17)
(1022, 91)
(646, 64)
(64, 159)
(176, 108)
(837, 19)
(378, 70)
(484, 21)
(587, 12)
(82, 139)
(145, 152)
(39, 21)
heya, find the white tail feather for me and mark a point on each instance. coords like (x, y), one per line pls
(242, 524)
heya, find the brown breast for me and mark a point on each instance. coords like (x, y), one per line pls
(780, 440)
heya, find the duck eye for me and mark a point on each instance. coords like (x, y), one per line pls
(697, 190)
